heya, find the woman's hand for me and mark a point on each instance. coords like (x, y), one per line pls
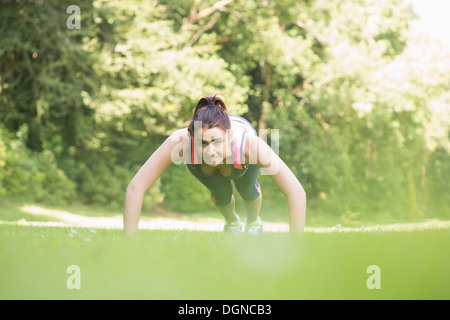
(283, 177)
(147, 175)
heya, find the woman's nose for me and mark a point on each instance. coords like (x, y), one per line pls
(211, 150)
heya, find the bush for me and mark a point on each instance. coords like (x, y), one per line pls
(183, 192)
(438, 197)
(30, 176)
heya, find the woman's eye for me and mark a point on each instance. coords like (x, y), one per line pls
(215, 142)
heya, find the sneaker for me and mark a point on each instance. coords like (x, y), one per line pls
(254, 228)
(233, 227)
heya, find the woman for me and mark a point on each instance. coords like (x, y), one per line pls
(217, 148)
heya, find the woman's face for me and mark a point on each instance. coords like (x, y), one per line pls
(215, 145)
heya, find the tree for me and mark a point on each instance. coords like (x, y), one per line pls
(363, 118)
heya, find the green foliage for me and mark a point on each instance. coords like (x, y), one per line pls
(183, 192)
(437, 180)
(101, 184)
(30, 176)
(360, 101)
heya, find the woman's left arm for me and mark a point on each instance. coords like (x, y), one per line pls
(283, 177)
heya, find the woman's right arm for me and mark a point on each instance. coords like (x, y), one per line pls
(147, 175)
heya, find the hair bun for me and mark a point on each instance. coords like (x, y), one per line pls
(212, 112)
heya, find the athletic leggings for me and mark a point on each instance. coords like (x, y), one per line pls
(222, 189)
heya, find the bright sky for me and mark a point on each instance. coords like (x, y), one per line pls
(434, 18)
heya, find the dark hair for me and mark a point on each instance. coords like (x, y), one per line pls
(212, 112)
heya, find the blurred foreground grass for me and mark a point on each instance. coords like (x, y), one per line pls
(159, 264)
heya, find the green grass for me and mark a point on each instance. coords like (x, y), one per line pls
(38, 244)
(209, 265)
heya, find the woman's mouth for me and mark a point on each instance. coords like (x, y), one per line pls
(213, 159)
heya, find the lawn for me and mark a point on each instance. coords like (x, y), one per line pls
(323, 263)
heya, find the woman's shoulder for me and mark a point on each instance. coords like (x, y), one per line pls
(179, 137)
(180, 133)
(177, 143)
(251, 149)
